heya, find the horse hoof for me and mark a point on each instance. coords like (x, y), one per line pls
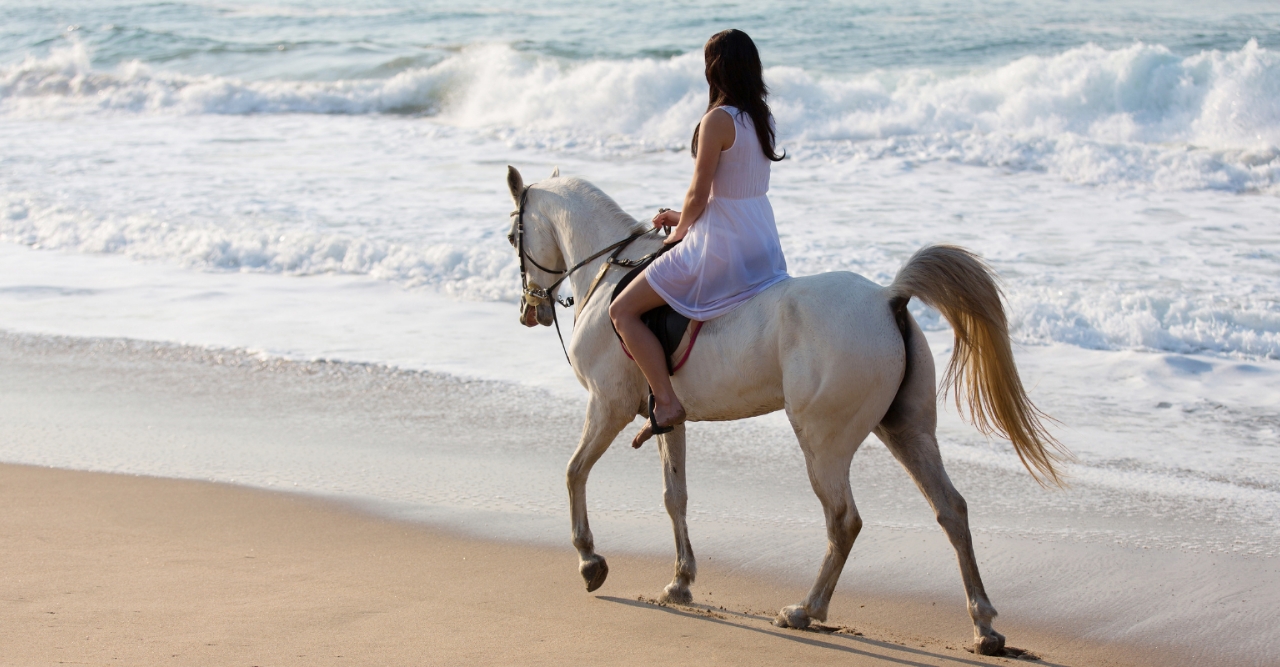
(792, 617)
(992, 644)
(594, 572)
(676, 595)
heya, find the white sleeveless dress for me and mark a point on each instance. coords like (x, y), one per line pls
(732, 252)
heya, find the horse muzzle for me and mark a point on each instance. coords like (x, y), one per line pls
(535, 311)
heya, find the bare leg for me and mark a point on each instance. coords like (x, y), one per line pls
(625, 311)
(676, 497)
(917, 451)
(828, 461)
(602, 425)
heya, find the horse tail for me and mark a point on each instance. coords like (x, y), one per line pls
(963, 287)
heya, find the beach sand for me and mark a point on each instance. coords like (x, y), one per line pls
(117, 569)
(392, 543)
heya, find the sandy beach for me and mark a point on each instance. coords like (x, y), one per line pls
(115, 569)
(136, 569)
(264, 398)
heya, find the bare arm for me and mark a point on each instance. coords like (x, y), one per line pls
(716, 134)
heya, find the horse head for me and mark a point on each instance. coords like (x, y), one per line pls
(532, 236)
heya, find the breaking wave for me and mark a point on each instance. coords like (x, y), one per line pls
(1139, 115)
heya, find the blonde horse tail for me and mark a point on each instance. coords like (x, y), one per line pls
(961, 286)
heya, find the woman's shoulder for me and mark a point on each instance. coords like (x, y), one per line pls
(732, 115)
(719, 126)
(724, 117)
(729, 110)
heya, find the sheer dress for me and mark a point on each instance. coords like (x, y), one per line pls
(732, 251)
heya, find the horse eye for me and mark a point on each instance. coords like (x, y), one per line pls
(511, 238)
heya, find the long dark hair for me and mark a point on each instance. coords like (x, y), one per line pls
(736, 79)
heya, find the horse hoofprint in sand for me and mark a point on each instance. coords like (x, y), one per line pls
(839, 353)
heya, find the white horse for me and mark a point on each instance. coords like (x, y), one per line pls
(839, 353)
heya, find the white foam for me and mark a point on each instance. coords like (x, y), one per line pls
(349, 318)
(406, 201)
(485, 272)
(1139, 115)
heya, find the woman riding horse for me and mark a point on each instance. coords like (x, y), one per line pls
(730, 250)
(840, 354)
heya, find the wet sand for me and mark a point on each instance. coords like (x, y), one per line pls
(117, 569)
(426, 523)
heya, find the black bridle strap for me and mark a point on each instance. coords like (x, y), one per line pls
(551, 289)
(549, 293)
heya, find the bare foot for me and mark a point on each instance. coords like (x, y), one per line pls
(643, 436)
(673, 416)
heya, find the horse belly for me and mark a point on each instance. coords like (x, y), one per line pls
(824, 342)
(734, 371)
(721, 381)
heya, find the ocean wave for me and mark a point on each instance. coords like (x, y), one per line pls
(1112, 318)
(1206, 320)
(1137, 115)
(486, 272)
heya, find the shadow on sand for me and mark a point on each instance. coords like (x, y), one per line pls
(831, 638)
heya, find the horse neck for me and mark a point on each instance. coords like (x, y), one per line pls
(583, 233)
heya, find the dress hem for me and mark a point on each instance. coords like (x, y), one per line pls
(721, 308)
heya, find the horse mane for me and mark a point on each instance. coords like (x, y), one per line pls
(592, 196)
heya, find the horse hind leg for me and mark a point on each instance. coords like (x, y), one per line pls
(675, 496)
(602, 426)
(828, 462)
(917, 451)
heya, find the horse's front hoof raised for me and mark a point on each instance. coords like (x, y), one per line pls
(674, 594)
(792, 617)
(991, 644)
(594, 571)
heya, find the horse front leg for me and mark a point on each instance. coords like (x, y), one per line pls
(603, 424)
(676, 497)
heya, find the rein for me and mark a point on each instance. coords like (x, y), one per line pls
(550, 293)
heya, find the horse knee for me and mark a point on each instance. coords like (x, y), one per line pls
(845, 524)
(852, 526)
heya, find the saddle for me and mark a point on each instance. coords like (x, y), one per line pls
(671, 328)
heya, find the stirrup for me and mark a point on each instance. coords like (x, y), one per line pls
(654, 429)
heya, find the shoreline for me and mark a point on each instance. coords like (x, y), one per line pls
(105, 567)
(429, 452)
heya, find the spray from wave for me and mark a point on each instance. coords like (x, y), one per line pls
(484, 272)
(1137, 116)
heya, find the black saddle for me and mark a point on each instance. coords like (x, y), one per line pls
(665, 323)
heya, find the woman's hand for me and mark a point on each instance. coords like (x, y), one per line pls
(676, 234)
(670, 219)
(666, 218)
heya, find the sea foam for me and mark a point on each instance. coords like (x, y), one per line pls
(1139, 115)
(314, 177)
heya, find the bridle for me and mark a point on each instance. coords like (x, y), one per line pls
(532, 294)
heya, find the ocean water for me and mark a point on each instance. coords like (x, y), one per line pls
(324, 180)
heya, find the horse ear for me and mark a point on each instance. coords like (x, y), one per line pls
(555, 173)
(515, 182)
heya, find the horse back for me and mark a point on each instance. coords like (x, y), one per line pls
(827, 341)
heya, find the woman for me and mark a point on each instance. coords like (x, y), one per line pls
(730, 250)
